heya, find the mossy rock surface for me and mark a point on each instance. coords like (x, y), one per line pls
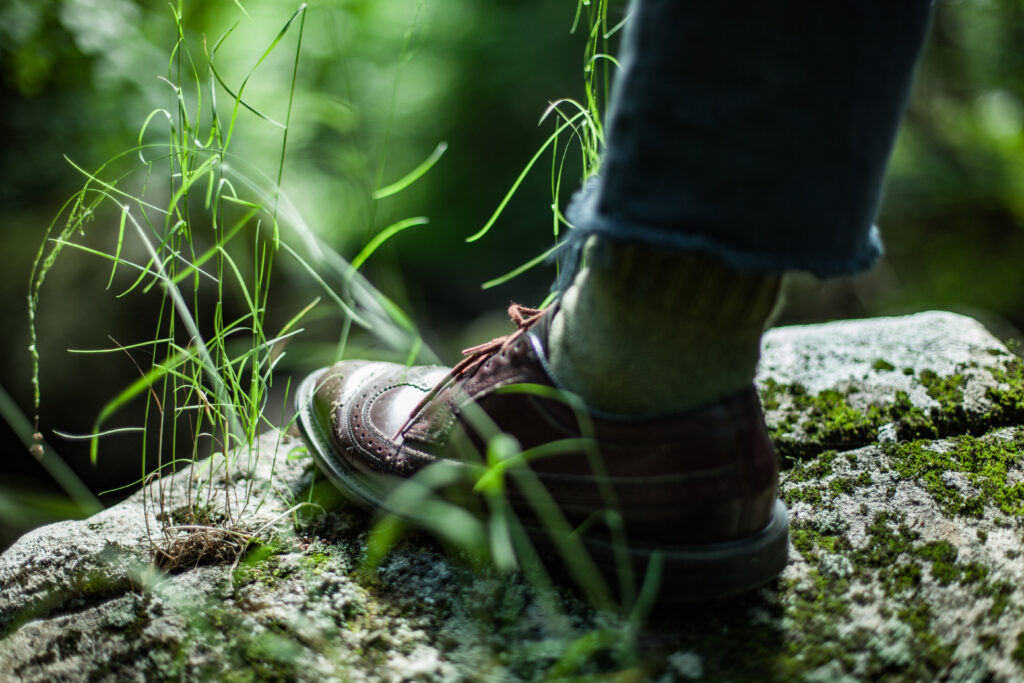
(851, 383)
(906, 558)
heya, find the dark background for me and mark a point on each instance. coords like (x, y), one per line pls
(380, 83)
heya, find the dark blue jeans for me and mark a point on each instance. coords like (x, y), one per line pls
(758, 132)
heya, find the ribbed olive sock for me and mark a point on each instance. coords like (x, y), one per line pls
(648, 331)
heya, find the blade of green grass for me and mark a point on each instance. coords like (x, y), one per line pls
(414, 175)
(519, 181)
(120, 242)
(383, 236)
(535, 261)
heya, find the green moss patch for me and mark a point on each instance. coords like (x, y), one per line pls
(984, 462)
(261, 564)
(895, 558)
(811, 423)
(1018, 652)
(948, 391)
(815, 481)
(1008, 399)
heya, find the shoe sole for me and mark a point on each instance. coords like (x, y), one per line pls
(689, 574)
(711, 571)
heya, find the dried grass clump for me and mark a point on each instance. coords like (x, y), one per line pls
(188, 546)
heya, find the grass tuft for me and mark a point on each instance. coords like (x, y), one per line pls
(201, 229)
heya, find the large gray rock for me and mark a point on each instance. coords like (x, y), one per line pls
(906, 561)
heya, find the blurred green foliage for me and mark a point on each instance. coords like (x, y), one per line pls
(380, 84)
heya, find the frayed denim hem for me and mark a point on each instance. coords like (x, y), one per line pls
(587, 221)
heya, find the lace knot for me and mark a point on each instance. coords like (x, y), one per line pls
(522, 316)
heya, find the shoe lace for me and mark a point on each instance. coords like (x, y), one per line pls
(475, 356)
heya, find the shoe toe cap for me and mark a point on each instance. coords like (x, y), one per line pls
(367, 403)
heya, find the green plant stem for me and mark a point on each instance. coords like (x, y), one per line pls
(50, 461)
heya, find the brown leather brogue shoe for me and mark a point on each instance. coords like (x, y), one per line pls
(699, 488)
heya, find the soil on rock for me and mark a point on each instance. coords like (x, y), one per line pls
(903, 472)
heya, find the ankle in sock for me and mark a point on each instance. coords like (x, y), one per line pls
(649, 331)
